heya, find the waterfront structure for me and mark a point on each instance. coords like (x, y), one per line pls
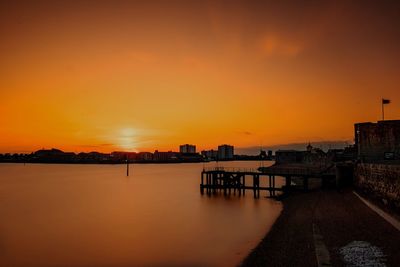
(377, 170)
(186, 148)
(225, 152)
(377, 142)
(226, 179)
(310, 156)
(288, 156)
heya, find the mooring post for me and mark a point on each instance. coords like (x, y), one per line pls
(127, 165)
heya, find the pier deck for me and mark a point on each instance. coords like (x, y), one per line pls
(226, 180)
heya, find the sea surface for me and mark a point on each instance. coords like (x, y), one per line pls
(94, 215)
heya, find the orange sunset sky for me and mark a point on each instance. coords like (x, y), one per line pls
(145, 75)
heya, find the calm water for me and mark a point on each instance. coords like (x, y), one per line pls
(93, 215)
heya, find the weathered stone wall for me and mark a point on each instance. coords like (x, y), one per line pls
(379, 181)
(374, 140)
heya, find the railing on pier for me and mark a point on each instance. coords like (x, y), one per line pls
(231, 169)
(227, 179)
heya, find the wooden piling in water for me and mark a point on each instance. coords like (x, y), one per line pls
(202, 183)
(244, 184)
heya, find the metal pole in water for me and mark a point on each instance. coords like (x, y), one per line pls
(127, 165)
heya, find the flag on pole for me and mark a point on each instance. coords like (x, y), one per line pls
(384, 102)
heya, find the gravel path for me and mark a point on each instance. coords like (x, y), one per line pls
(353, 234)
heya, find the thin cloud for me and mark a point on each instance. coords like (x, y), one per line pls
(244, 132)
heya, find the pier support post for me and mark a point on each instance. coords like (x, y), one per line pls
(256, 185)
(202, 183)
(244, 184)
(239, 184)
(270, 185)
(208, 183)
(214, 182)
(225, 183)
(273, 185)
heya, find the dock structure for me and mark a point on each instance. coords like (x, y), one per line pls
(226, 180)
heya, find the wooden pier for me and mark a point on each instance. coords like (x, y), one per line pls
(228, 180)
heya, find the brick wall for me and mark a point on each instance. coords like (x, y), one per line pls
(379, 181)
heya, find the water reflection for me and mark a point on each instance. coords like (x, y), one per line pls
(93, 215)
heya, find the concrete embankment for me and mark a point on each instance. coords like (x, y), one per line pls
(348, 230)
(380, 182)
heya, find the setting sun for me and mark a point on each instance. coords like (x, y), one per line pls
(127, 139)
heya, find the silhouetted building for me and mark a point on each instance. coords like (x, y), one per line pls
(377, 141)
(346, 154)
(225, 152)
(288, 156)
(210, 154)
(121, 156)
(187, 148)
(93, 157)
(165, 156)
(53, 155)
(310, 156)
(145, 156)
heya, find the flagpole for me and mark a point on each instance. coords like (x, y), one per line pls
(383, 111)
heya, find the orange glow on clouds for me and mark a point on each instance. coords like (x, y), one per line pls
(150, 75)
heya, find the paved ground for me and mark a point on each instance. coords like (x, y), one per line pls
(341, 219)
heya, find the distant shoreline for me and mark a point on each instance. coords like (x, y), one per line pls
(124, 163)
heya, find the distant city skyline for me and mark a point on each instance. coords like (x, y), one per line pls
(251, 150)
(144, 75)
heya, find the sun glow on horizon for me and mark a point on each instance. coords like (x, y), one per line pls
(127, 139)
